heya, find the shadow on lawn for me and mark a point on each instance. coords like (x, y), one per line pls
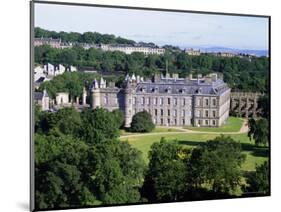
(190, 143)
(256, 151)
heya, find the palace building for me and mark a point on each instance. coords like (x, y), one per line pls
(171, 101)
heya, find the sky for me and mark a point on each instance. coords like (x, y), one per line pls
(173, 28)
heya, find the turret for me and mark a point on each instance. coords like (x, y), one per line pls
(96, 99)
(128, 104)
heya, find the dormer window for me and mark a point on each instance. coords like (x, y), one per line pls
(168, 90)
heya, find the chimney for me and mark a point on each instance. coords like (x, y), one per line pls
(175, 75)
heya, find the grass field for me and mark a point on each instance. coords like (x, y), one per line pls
(254, 154)
(233, 124)
(156, 130)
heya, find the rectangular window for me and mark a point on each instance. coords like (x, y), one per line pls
(147, 101)
(175, 112)
(161, 121)
(183, 102)
(199, 102)
(206, 122)
(162, 112)
(161, 101)
(175, 101)
(214, 102)
(183, 113)
(134, 100)
(214, 113)
(183, 122)
(206, 113)
(169, 101)
(214, 122)
(199, 122)
(168, 112)
(207, 102)
(155, 101)
(199, 113)
(175, 121)
(168, 121)
(142, 100)
(155, 112)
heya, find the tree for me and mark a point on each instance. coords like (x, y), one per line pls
(119, 117)
(258, 130)
(98, 125)
(258, 181)
(142, 122)
(166, 176)
(217, 163)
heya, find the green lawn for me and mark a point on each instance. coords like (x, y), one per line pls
(233, 124)
(157, 129)
(254, 155)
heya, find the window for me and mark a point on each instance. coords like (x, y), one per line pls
(214, 102)
(183, 113)
(214, 113)
(175, 112)
(105, 100)
(147, 101)
(175, 101)
(183, 102)
(206, 122)
(199, 102)
(155, 112)
(155, 101)
(134, 100)
(207, 102)
(168, 121)
(206, 113)
(168, 112)
(161, 121)
(199, 122)
(162, 112)
(175, 121)
(169, 101)
(199, 113)
(183, 122)
(161, 101)
(214, 122)
(142, 100)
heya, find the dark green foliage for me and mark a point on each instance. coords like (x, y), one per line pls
(217, 164)
(99, 125)
(71, 82)
(264, 106)
(142, 122)
(75, 168)
(240, 74)
(86, 37)
(166, 176)
(258, 130)
(258, 181)
(119, 117)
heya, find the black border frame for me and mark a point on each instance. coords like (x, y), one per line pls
(31, 86)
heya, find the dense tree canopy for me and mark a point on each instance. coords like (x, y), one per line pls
(166, 176)
(241, 74)
(142, 122)
(217, 163)
(78, 162)
(258, 181)
(259, 131)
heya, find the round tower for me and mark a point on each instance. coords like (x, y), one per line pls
(96, 97)
(128, 104)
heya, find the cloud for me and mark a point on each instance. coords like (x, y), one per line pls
(198, 37)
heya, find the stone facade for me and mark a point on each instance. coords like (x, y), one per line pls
(171, 101)
(42, 99)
